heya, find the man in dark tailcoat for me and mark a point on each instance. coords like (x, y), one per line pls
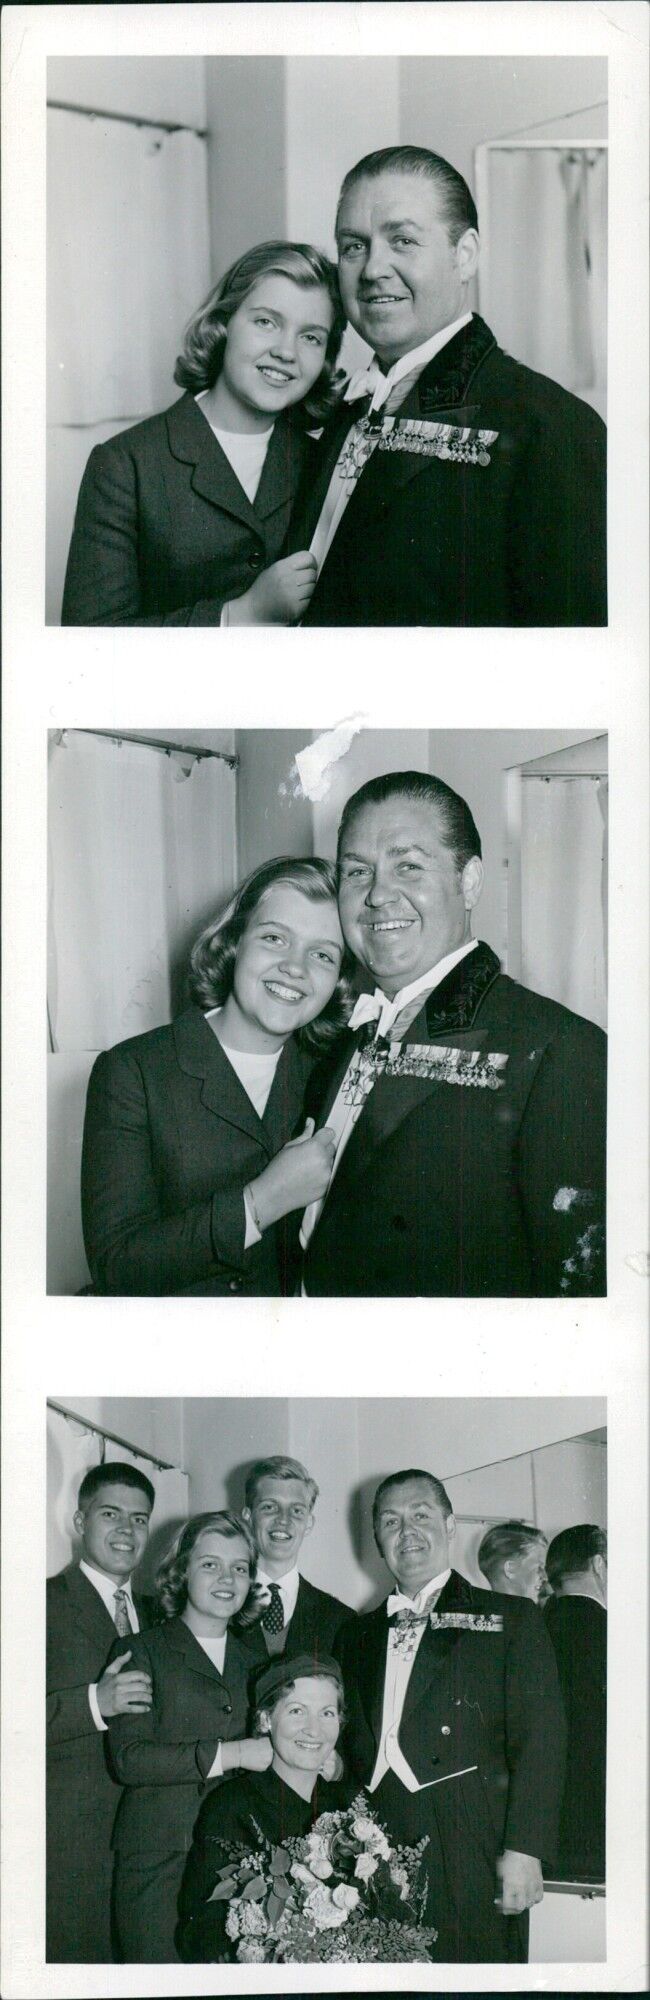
(456, 486)
(279, 1508)
(456, 1728)
(576, 1618)
(88, 1603)
(468, 1111)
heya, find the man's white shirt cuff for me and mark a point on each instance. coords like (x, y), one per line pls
(95, 1709)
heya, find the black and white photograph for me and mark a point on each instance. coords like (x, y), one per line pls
(327, 1013)
(310, 1700)
(380, 287)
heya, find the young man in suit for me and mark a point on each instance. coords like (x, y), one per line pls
(279, 1508)
(468, 1112)
(456, 1728)
(576, 1618)
(87, 1604)
(511, 1557)
(464, 489)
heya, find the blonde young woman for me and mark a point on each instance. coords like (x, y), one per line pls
(181, 519)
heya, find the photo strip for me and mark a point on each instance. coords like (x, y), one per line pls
(338, 1702)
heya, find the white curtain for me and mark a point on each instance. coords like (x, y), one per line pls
(72, 1448)
(142, 853)
(564, 891)
(128, 261)
(543, 281)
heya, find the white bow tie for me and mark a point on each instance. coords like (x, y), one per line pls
(398, 1602)
(369, 382)
(369, 1007)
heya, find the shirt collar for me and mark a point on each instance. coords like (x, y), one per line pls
(407, 364)
(288, 1586)
(106, 1586)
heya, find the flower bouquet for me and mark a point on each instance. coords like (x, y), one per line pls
(339, 1893)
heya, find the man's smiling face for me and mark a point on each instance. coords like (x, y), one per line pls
(401, 279)
(403, 901)
(280, 1516)
(414, 1534)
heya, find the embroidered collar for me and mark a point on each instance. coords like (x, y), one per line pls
(447, 379)
(455, 1003)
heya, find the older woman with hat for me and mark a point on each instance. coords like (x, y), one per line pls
(299, 1705)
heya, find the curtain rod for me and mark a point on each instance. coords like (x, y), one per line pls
(125, 118)
(162, 743)
(578, 112)
(72, 1417)
(566, 777)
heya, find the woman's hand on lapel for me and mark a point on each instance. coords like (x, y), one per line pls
(299, 1174)
(280, 596)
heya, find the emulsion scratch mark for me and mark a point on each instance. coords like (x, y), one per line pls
(640, 1263)
(310, 776)
(570, 1197)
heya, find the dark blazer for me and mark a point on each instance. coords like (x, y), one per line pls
(162, 1759)
(164, 533)
(82, 1794)
(313, 1629)
(483, 1729)
(255, 1802)
(519, 540)
(170, 1141)
(578, 1629)
(456, 1188)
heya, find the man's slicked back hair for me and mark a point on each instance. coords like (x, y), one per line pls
(458, 827)
(507, 1539)
(572, 1551)
(457, 205)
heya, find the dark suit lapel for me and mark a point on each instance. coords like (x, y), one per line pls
(313, 490)
(281, 470)
(372, 1668)
(183, 1644)
(435, 1649)
(200, 1054)
(442, 394)
(286, 1098)
(193, 442)
(87, 1608)
(449, 1017)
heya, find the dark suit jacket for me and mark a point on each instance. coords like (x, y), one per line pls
(82, 1794)
(578, 1629)
(170, 1141)
(448, 1188)
(428, 541)
(162, 1758)
(313, 1629)
(164, 533)
(483, 1698)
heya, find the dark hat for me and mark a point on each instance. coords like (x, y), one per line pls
(282, 1672)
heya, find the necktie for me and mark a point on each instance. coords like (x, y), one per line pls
(272, 1617)
(121, 1615)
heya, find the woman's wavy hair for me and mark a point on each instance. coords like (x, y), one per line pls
(171, 1576)
(200, 362)
(212, 960)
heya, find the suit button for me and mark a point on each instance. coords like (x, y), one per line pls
(445, 1731)
(255, 559)
(235, 1284)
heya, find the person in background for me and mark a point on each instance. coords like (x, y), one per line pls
(454, 487)
(298, 1710)
(576, 1619)
(296, 1617)
(511, 1557)
(456, 1727)
(181, 519)
(189, 1157)
(468, 1112)
(193, 1731)
(88, 1603)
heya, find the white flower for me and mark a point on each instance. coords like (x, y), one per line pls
(364, 1829)
(251, 1954)
(317, 1847)
(232, 1921)
(365, 1866)
(345, 1897)
(252, 1920)
(303, 1874)
(321, 1907)
(321, 1868)
(400, 1879)
(381, 1846)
